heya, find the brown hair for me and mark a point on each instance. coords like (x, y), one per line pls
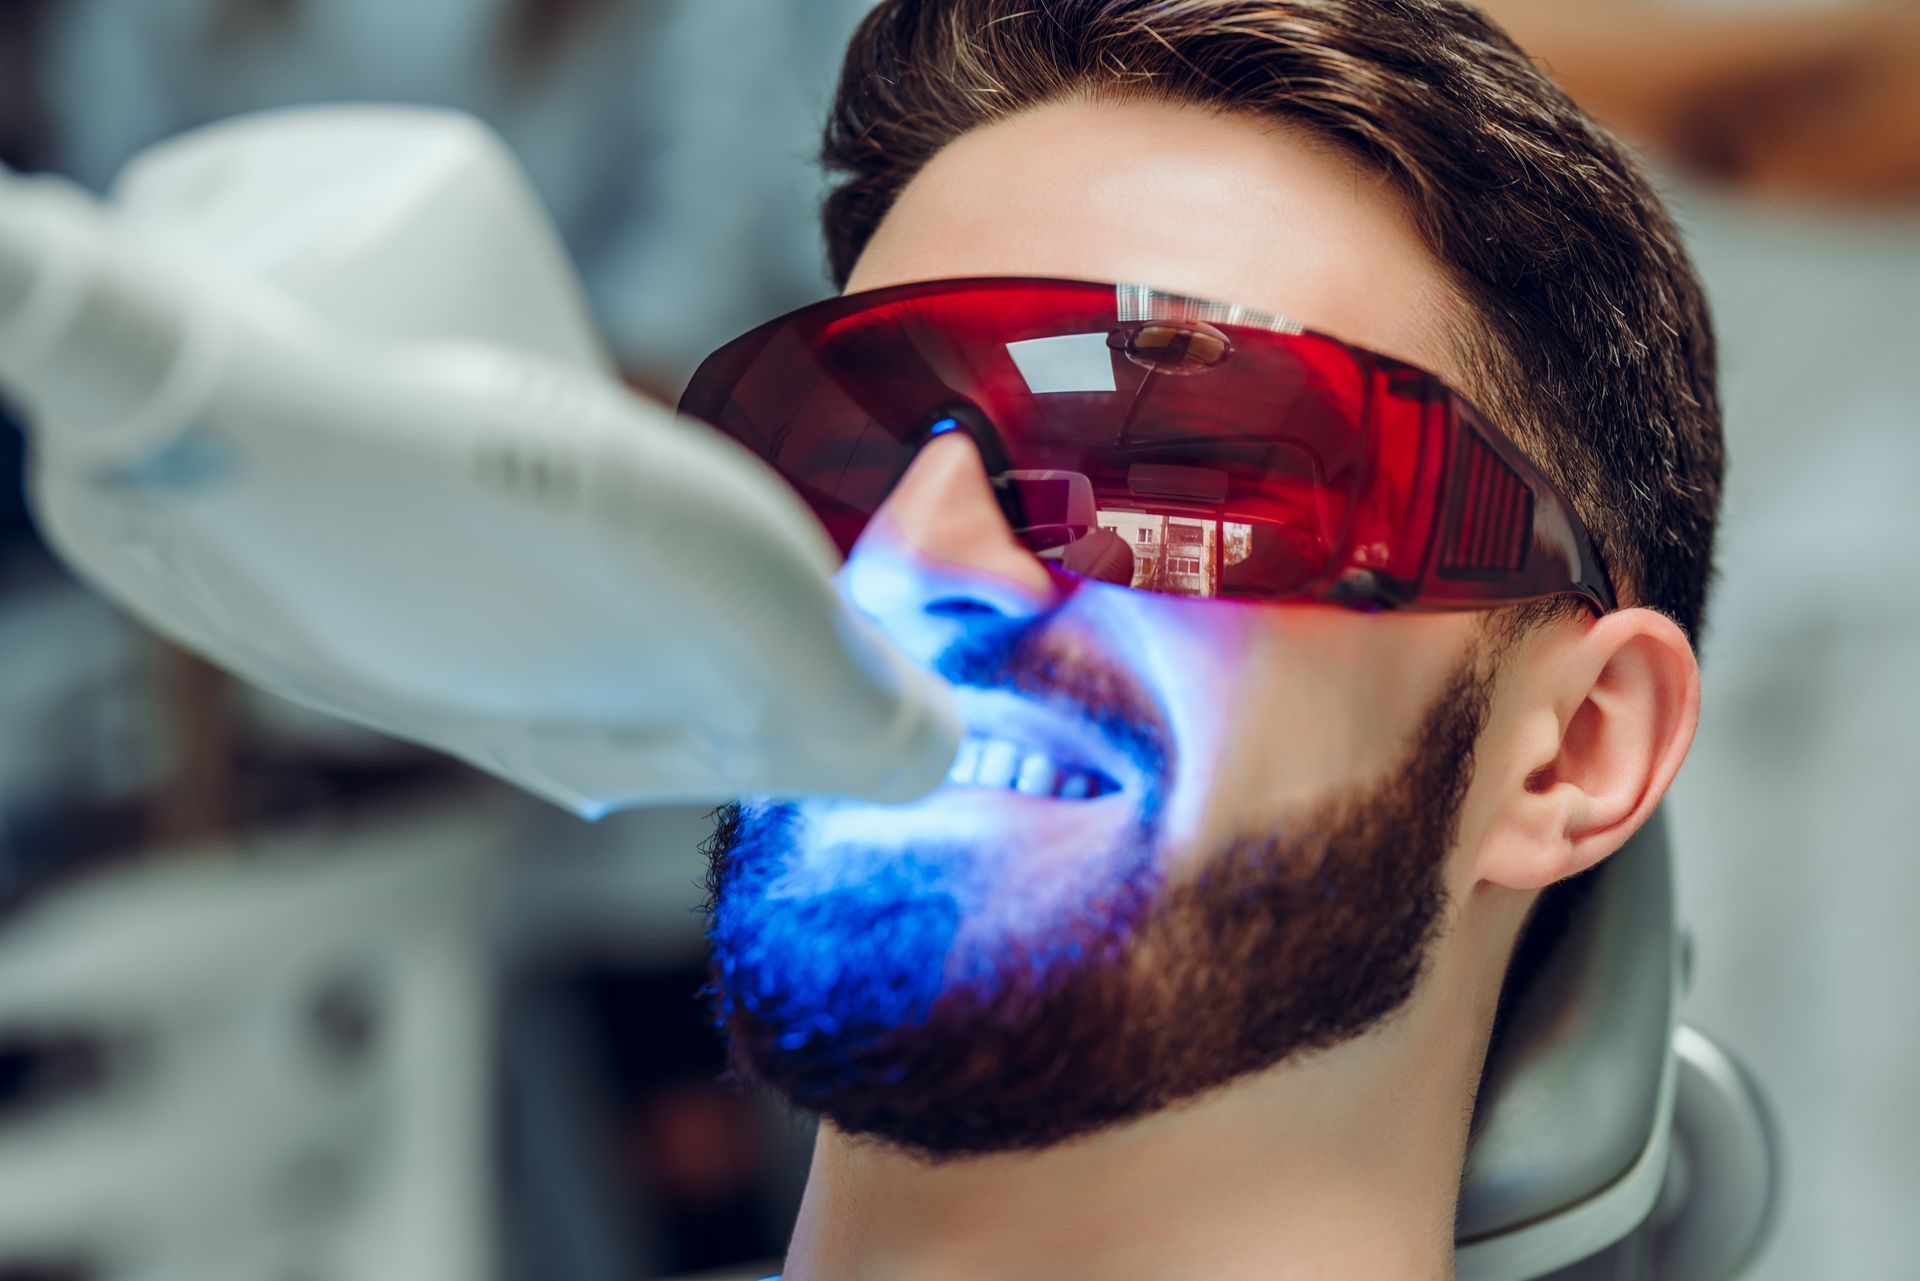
(1593, 346)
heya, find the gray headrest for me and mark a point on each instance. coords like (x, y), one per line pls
(1570, 1094)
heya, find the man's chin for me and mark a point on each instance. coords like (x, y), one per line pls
(839, 987)
(816, 969)
(891, 1009)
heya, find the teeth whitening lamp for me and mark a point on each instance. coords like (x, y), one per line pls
(316, 394)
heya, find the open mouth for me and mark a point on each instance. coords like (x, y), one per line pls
(987, 761)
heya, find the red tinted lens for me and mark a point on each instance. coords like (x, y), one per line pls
(1225, 450)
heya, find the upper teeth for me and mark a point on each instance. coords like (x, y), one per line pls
(997, 762)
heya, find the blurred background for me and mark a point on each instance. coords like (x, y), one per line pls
(269, 974)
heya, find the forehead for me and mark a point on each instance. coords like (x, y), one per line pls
(1227, 208)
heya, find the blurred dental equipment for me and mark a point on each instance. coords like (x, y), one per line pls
(315, 394)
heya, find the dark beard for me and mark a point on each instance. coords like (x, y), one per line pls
(848, 1002)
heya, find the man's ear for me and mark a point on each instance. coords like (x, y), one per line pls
(1606, 713)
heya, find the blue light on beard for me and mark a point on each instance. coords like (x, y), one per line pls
(825, 964)
(834, 966)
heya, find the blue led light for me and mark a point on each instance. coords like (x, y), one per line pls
(944, 426)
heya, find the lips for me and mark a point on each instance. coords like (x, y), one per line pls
(992, 762)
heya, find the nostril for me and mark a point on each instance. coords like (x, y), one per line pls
(959, 607)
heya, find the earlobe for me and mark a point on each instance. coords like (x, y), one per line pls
(1608, 713)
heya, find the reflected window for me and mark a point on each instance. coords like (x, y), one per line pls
(1173, 554)
(1238, 538)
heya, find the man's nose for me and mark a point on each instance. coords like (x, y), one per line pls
(939, 559)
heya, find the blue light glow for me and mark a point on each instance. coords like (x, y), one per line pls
(836, 924)
(833, 967)
(821, 961)
(944, 426)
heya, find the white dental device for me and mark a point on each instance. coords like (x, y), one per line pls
(315, 393)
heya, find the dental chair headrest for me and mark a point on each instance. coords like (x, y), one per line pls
(1571, 1095)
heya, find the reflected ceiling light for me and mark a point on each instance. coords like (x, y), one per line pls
(1067, 362)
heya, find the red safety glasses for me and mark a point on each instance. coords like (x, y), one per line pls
(1157, 441)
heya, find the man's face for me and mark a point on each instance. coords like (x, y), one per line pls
(1188, 838)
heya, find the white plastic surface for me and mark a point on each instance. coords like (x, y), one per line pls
(317, 396)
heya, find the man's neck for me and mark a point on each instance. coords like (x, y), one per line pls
(1346, 1164)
